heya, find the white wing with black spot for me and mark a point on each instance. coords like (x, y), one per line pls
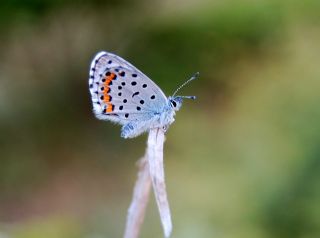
(121, 93)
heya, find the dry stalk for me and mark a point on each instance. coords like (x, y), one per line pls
(150, 169)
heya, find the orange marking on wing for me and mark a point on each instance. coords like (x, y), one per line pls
(106, 90)
(110, 107)
(109, 78)
(106, 98)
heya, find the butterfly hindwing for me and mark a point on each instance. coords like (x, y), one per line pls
(120, 92)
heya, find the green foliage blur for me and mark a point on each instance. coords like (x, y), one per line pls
(242, 161)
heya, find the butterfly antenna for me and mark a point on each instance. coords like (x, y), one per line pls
(186, 82)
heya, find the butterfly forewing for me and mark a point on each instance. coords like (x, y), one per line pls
(120, 92)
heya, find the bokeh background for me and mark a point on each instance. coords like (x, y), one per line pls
(242, 161)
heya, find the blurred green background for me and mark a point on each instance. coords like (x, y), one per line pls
(242, 161)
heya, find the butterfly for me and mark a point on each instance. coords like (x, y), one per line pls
(122, 94)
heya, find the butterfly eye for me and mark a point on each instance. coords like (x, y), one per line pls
(174, 103)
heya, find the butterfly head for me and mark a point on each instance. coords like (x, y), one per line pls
(176, 101)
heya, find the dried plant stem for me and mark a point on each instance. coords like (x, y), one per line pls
(155, 158)
(150, 169)
(139, 201)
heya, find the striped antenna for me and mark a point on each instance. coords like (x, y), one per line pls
(186, 82)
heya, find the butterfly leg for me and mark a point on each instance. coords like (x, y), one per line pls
(133, 129)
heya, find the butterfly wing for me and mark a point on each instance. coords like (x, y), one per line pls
(121, 93)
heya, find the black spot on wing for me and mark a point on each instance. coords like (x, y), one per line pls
(135, 94)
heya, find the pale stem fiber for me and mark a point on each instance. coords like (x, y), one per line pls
(150, 169)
